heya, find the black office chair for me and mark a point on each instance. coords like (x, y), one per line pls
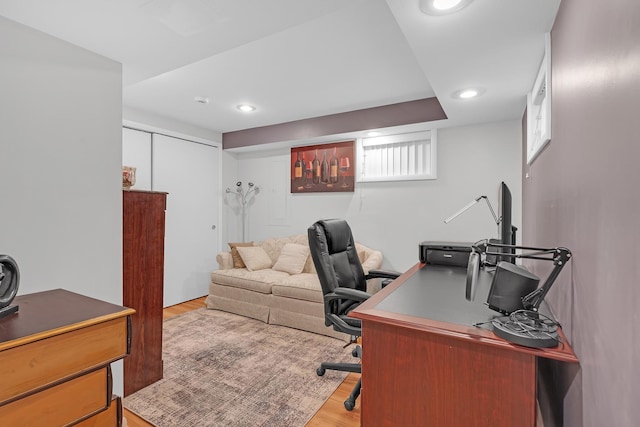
(343, 285)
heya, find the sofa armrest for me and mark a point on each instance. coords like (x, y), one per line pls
(373, 261)
(225, 260)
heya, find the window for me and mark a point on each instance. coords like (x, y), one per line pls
(403, 157)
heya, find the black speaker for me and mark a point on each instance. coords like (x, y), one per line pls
(510, 284)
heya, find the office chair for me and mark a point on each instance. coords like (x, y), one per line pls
(344, 283)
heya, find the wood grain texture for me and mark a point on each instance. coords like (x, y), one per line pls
(42, 363)
(111, 417)
(143, 271)
(62, 404)
(438, 380)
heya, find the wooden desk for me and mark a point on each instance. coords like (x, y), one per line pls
(425, 364)
(55, 357)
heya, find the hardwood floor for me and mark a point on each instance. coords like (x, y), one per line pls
(332, 413)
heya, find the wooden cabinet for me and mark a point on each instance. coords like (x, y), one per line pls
(55, 357)
(143, 279)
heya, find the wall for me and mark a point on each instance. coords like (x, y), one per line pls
(393, 216)
(60, 166)
(582, 193)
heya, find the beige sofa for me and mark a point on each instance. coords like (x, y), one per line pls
(277, 297)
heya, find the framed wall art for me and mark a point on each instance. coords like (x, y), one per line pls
(323, 168)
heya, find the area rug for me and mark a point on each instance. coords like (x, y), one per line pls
(221, 369)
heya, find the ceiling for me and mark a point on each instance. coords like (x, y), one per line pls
(298, 59)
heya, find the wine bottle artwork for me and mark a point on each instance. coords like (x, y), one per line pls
(308, 173)
(345, 165)
(324, 169)
(297, 171)
(316, 168)
(333, 171)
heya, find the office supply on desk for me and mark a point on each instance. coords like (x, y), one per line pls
(445, 253)
(515, 290)
(343, 283)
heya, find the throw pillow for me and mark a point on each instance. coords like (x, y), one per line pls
(237, 260)
(292, 258)
(254, 257)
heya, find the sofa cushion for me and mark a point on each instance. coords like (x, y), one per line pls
(292, 259)
(237, 260)
(304, 286)
(257, 281)
(255, 258)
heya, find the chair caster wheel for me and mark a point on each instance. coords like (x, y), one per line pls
(349, 404)
(354, 352)
(320, 371)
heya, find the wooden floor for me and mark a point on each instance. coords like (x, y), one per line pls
(332, 413)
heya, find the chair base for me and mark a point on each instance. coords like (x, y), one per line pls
(350, 403)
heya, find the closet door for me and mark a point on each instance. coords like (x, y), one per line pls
(136, 152)
(189, 172)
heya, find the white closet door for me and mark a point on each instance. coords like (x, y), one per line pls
(189, 172)
(136, 152)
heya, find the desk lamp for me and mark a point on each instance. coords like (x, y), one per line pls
(524, 326)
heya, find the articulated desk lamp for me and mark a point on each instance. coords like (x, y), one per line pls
(515, 293)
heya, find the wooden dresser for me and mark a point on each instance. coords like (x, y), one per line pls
(55, 357)
(143, 224)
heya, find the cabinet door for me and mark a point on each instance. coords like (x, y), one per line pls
(189, 172)
(136, 152)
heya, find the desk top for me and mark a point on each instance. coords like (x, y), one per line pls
(53, 312)
(432, 298)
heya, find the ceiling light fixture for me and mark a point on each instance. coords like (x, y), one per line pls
(442, 7)
(468, 93)
(373, 133)
(246, 108)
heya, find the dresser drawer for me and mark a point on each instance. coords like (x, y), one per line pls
(61, 404)
(112, 417)
(42, 363)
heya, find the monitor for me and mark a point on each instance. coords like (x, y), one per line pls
(507, 230)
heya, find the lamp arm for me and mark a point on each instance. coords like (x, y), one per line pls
(560, 256)
(535, 298)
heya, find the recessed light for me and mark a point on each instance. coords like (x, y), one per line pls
(246, 108)
(468, 93)
(373, 133)
(442, 7)
(201, 99)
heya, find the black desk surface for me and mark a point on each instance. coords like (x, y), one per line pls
(438, 292)
(432, 298)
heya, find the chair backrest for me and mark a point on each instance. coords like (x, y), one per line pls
(334, 255)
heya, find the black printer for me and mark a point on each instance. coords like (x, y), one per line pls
(445, 253)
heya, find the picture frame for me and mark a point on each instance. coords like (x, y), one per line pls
(323, 168)
(539, 107)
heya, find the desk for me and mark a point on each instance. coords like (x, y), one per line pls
(424, 364)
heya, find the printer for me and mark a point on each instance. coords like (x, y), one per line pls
(455, 254)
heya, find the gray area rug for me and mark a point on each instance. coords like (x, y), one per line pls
(221, 369)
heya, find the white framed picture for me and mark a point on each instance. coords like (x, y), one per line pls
(539, 106)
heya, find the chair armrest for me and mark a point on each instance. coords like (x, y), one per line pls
(225, 260)
(348, 294)
(385, 274)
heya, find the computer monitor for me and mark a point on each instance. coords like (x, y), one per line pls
(507, 230)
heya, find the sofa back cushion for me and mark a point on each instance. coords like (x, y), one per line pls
(292, 259)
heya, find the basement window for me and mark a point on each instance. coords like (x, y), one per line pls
(402, 157)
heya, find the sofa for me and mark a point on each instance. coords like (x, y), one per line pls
(279, 285)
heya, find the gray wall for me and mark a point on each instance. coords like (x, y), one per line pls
(60, 166)
(391, 216)
(583, 192)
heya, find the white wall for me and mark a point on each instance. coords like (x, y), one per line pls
(395, 216)
(60, 166)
